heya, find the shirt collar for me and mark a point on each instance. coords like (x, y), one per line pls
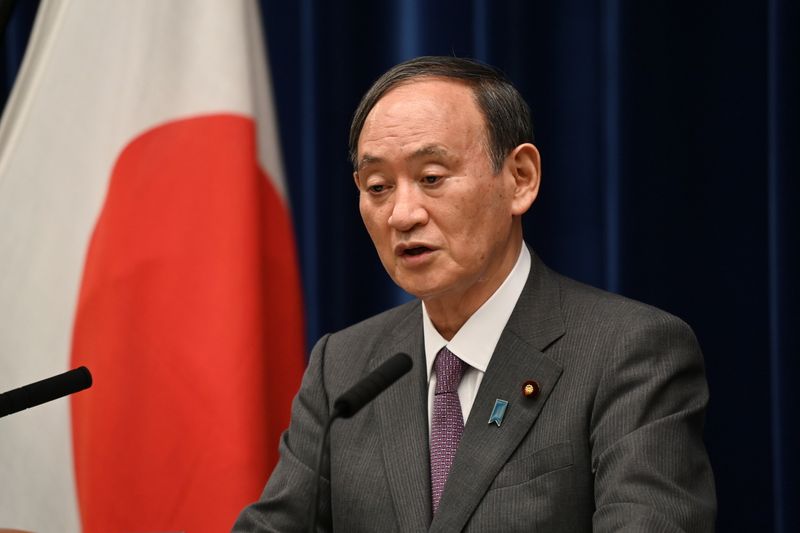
(475, 342)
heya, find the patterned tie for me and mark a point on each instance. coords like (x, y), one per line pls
(447, 424)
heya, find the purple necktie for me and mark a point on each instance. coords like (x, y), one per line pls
(447, 424)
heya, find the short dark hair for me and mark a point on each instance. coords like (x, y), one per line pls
(506, 114)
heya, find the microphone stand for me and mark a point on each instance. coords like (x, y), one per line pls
(349, 404)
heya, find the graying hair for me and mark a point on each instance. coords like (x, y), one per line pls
(506, 114)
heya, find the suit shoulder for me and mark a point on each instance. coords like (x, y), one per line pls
(362, 336)
(612, 331)
(587, 304)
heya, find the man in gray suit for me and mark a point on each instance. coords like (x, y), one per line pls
(535, 403)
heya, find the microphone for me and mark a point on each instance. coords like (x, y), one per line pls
(351, 402)
(45, 390)
(376, 382)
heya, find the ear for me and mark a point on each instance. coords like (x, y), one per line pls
(355, 180)
(524, 164)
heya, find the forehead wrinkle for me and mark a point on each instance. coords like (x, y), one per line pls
(420, 153)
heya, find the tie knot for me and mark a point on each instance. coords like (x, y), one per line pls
(449, 370)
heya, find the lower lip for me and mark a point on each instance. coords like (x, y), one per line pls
(416, 260)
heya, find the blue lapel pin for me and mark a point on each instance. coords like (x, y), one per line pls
(498, 412)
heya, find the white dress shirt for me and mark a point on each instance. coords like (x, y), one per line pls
(475, 342)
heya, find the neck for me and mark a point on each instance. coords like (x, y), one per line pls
(449, 312)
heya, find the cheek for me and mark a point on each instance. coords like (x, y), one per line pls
(480, 209)
(371, 216)
(481, 221)
(363, 208)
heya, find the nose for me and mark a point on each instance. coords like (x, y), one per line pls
(408, 210)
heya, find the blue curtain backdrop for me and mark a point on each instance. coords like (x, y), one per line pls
(669, 137)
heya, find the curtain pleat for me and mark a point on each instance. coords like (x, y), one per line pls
(783, 121)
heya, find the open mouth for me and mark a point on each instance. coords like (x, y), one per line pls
(417, 250)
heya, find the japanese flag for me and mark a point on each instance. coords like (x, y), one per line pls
(145, 233)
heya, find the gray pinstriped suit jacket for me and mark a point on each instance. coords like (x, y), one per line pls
(612, 443)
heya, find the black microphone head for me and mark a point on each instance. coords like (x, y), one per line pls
(45, 390)
(373, 384)
(69, 382)
(81, 378)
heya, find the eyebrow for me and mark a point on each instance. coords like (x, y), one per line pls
(369, 160)
(431, 149)
(425, 151)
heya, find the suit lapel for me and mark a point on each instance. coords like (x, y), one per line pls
(484, 449)
(402, 412)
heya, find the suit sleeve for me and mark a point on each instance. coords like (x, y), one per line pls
(285, 502)
(651, 469)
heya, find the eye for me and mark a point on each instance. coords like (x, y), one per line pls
(376, 189)
(431, 179)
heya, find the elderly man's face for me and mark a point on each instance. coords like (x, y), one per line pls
(438, 216)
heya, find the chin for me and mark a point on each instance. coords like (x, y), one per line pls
(413, 290)
(421, 290)
(420, 284)
(418, 290)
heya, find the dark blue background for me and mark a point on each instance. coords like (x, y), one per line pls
(668, 132)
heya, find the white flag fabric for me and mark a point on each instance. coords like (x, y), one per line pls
(144, 233)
